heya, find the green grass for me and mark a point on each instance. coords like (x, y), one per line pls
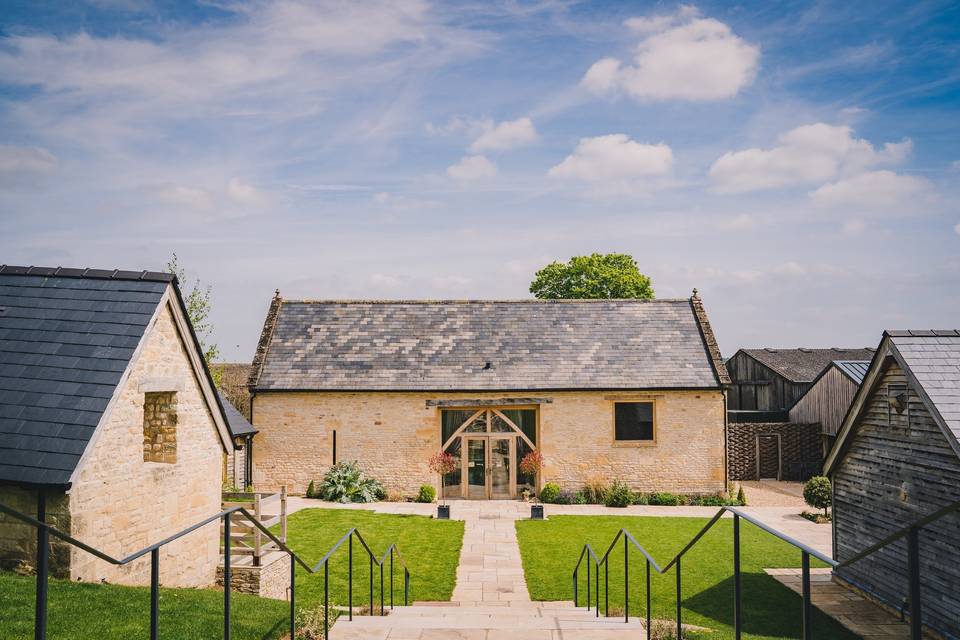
(431, 549)
(550, 548)
(80, 611)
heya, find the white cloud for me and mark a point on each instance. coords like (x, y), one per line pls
(246, 194)
(24, 164)
(956, 228)
(875, 190)
(183, 196)
(614, 157)
(472, 168)
(955, 165)
(853, 227)
(806, 156)
(681, 57)
(505, 135)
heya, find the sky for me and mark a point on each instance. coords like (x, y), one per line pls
(797, 163)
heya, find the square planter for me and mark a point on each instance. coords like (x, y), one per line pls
(536, 512)
(443, 512)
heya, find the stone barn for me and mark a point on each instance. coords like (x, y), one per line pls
(604, 389)
(897, 460)
(108, 411)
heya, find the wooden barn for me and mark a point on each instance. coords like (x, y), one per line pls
(828, 398)
(896, 460)
(767, 382)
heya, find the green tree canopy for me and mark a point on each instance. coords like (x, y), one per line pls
(612, 275)
(197, 299)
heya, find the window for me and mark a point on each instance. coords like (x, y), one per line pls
(160, 427)
(633, 421)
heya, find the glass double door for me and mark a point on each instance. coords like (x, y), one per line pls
(488, 473)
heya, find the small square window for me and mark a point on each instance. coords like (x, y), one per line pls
(160, 427)
(633, 421)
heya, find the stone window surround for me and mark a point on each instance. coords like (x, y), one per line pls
(614, 400)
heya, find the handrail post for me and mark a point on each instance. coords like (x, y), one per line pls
(293, 597)
(226, 576)
(737, 584)
(606, 588)
(913, 566)
(258, 514)
(596, 589)
(575, 602)
(371, 582)
(589, 601)
(805, 563)
(679, 603)
(154, 594)
(43, 567)
(406, 585)
(381, 588)
(283, 515)
(649, 626)
(326, 599)
(391, 577)
(349, 577)
(626, 581)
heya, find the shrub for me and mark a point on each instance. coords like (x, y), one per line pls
(817, 493)
(311, 490)
(550, 493)
(741, 497)
(710, 501)
(664, 499)
(619, 495)
(595, 491)
(640, 498)
(566, 497)
(344, 483)
(579, 498)
(427, 493)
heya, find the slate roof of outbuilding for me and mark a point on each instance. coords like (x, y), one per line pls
(479, 345)
(239, 426)
(66, 336)
(933, 358)
(856, 370)
(803, 365)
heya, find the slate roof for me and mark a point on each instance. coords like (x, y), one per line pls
(239, 426)
(66, 336)
(856, 370)
(803, 365)
(933, 358)
(485, 345)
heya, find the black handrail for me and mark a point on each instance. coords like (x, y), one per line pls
(44, 531)
(911, 532)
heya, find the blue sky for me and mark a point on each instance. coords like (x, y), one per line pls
(798, 163)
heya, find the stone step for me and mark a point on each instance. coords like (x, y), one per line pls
(506, 620)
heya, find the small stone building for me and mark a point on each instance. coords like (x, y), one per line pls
(764, 440)
(896, 460)
(108, 410)
(604, 389)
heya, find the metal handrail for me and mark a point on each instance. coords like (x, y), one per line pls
(911, 532)
(44, 531)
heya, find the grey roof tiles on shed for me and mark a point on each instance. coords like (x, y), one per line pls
(804, 365)
(66, 336)
(933, 357)
(481, 345)
(856, 370)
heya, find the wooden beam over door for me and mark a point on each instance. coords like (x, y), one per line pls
(496, 402)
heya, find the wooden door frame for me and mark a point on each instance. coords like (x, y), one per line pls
(779, 454)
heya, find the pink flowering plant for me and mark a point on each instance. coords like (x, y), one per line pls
(443, 463)
(532, 464)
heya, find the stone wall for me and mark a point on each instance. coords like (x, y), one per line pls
(393, 434)
(799, 443)
(120, 503)
(18, 541)
(270, 580)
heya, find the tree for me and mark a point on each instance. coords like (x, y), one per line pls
(817, 493)
(197, 300)
(612, 275)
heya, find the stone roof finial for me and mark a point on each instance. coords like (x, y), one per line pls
(696, 295)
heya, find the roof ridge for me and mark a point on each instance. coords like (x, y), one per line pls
(95, 274)
(475, 300)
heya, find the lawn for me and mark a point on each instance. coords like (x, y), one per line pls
(550, 548)
(80, 611)
(431, 549)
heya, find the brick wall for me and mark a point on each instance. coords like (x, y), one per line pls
(120, 503)
(393, 434)
(799, 443)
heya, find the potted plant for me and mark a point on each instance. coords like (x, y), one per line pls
(443, 463)
(531, 465)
